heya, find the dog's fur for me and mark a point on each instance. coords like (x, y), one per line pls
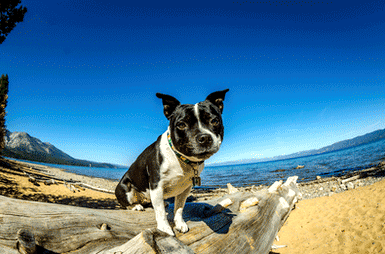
(196, 133)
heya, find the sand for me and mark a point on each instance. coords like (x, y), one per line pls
(352, 221)
(348, 222)
(15, 184)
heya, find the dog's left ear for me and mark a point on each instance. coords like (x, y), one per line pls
(169, 104)
(217, 98)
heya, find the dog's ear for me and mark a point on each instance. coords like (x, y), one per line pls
(217, 98)
(169, 104)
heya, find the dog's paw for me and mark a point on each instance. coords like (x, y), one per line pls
(138, 208)
(181, 226)
(167, 229)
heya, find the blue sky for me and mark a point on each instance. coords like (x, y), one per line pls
(302, 74)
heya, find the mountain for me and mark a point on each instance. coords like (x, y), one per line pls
(345, 144)
(20, 145)
(357, 141)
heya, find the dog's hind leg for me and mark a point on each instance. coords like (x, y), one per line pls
(120, 193)
(127, 196)
(138, 207)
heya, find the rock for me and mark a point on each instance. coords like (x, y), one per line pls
(318, 177)
(334, 189)
(343, 186)
(321, 188)
(50, 181)
(231, 189)
(350, 186)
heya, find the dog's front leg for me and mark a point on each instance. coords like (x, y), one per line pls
(180, 201)
(160, 212)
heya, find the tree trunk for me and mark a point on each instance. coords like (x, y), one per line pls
(236, 223)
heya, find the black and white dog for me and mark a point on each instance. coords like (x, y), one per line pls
(171, 166)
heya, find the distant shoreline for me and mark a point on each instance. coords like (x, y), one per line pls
(250, 161)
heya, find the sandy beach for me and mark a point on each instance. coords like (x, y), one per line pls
(337, 215)
(348, 222)
(15, 183)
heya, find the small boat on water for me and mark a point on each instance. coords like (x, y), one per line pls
(299, 167)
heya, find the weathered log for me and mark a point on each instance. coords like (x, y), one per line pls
(95, 188)
(350, 179)
(231, 189)
(69, 186)
(152, 241)
(216, 226)
(32, 180)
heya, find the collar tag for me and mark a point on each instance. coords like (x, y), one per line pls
(196, 180)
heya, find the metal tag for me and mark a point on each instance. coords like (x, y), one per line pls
(196, 181)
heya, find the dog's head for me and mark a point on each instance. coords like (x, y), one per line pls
(196, 130)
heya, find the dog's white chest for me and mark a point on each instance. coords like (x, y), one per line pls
(174, 184)
(176, 176)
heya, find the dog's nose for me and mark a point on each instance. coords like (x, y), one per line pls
(204, 139)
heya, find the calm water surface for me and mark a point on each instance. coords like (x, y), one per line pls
(329, 164)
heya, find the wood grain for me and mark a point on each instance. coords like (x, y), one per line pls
(63, 229)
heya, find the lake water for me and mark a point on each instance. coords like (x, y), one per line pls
(329, 164)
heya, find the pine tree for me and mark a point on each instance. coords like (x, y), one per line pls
(3, 105)
(10, 15)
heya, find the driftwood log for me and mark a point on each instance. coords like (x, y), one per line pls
(236, 223)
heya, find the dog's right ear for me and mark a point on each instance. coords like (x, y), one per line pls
(169, 104)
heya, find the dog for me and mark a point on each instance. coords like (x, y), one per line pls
(171, 166)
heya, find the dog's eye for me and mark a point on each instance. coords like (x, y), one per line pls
(181, 125)
(214, 122)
